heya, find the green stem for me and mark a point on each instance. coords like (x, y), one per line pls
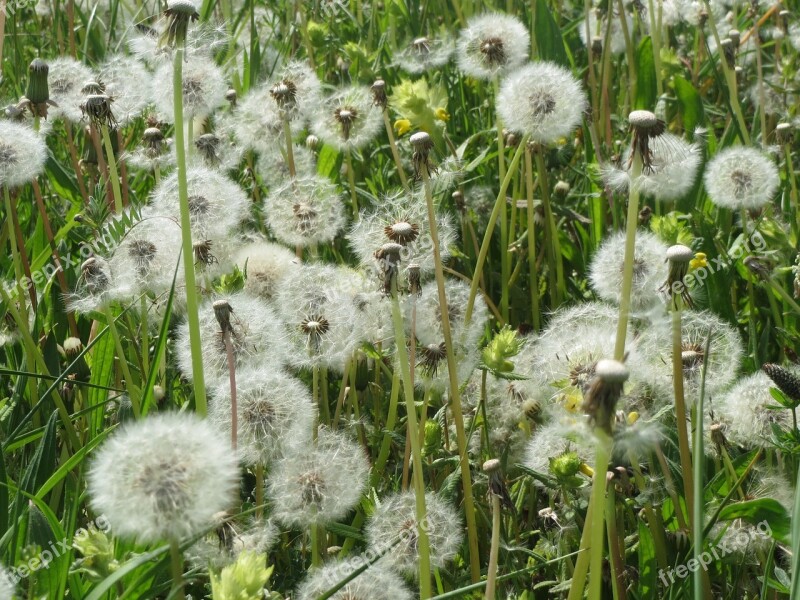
(452, 371)
(556, 262)
(487, 236)
(112, 168)
(680, 406)
(395, 154)
(176, 564)
(287, 133)
(416, 451)
(351, 182)
(597, 500)
(123, 361)
(630, 254)
(494, 551)
(386, 444)
(192, 314)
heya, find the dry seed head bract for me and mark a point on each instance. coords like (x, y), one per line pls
(163, 478)
(318, 483)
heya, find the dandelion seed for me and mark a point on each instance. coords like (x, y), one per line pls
(163, 478)
(542, 100)
(22, 154)
(7, 588)
(274, 168)
(393, 531)
(429, 315)
(649, 269)
(741, 178)
(320, 483)
(492, 45)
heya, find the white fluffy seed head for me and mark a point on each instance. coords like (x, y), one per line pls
(163, 478)
(274, 169)
(319, 482)
(65, 81)
(492, 45)
(597, 26)
(256, 337)
(305, 211)
(127, 81)
(204, 88)
(553, 440)
(424, 53)
(22, 154)
(741, 178)
(265, 264)
(297, 90)
(392, 531)
(275, 412)
(347, 119)
(543, 100)
(257, 122)
(378, 583)
(429, 314)
(7, 586)
(649, 269)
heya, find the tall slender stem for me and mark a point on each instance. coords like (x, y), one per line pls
(533, 271)
(176, 564)
(455, 393)
(192, 314)
(395, 154)
(680, 406)
(123, 361)
(226, 338)
(597, 500)
(556, 262)
(287, 133)
(113, 175)
(351, 182)
(416, 452)
(630, 254)
(494, 550)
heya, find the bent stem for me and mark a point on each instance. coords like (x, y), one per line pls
(416, 451)
(186, 237)
(487, 237)
(113, 174)
(630, 254)
(452, 371)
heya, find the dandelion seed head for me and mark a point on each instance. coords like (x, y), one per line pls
(649, 269)
(66, 80)
(429, 314)
(318, 483)
(542, 100)
(424, 53)
(492, 45)
(204, 88)
(598, 25)
(379, 583)
(741, 178)
(266, 264)
(163, 478)
(305, 211)
(347, 119)
(554, 440)
(274, 410)
(394, 520)
(7, 587)
(127, 81)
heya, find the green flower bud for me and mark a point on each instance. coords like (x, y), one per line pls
(503, 346)
(38, 92)
(566, 465)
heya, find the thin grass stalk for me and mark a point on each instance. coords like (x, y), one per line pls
(699, 457)
(113, 174)
(413, 438)
(73, 155)
(630, 253)
(487, 237)
(186, 237)
(226, 339)
(452, 371)
(386, 443)
(20, 270)
(556, 262)
(680, 406)
(287, 133)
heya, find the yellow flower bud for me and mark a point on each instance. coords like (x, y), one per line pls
(402, 126)
(698, 262)
(632, 417)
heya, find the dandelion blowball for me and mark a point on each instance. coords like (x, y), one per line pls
(163, 478)
(542, 100)
(741, 177)
(492, 45)
(22, 154)
(377, 583)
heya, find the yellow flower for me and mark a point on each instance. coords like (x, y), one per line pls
(442, 114)
(632, 417)
(402, 126)
(698, 262)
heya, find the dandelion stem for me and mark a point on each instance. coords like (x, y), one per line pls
(416, 451)
(123, 361)
(455, 394)
(559, 292)
(533, 271)
(487, 237)
(226, 338)
(176, 563)
(386, 444)
(395, 154)
(630, 253)
(351, 182)
(597, 500)
(186, 237)
(494, 550)
(680, 405)
(287, 133)
(616, 563)
(13, 241)
(259, 491)
(113, 175)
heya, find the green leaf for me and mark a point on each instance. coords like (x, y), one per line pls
(549, 41)
(768, 515)
(690, 103)
(646, 89)
(647, 562)
(328, 162)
